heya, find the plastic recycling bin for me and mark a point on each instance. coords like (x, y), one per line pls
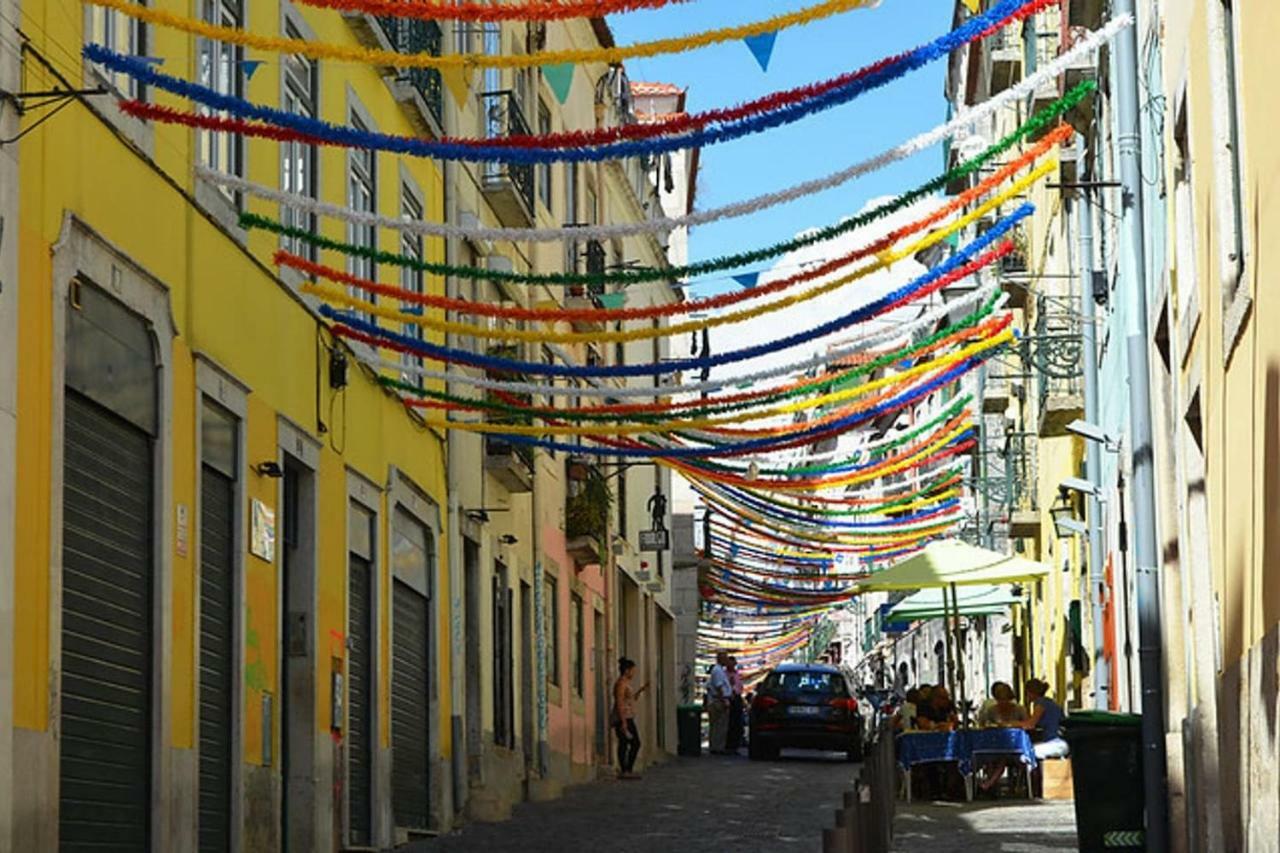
(1106, 770)
(689, 727)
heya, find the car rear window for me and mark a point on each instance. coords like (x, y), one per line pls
(806, 681)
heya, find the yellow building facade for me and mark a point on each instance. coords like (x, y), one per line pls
(284, 608)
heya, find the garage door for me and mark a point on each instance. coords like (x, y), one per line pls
(360, 694)
(105, 754)
(409, 708)
(217, 538)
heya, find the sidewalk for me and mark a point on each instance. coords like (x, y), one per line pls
(1007, 827)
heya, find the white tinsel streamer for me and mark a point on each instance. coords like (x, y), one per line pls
(1082, 47)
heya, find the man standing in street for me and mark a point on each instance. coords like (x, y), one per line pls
(718, 692)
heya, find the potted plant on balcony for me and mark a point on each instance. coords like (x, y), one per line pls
(586, 516)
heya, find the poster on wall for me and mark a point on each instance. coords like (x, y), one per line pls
(262, 531)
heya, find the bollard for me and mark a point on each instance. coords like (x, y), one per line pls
(835, 840)
(850, 818)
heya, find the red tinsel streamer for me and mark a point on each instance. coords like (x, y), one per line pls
(537, 11)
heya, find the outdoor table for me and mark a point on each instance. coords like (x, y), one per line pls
(1013, 743)
(960, 748)
(934, 747)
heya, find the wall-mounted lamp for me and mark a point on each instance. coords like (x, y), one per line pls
(270, 468)
(1065, 523)
(1095, 433)
(1077, 484)
(508, 539)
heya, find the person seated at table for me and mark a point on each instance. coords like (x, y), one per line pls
(1044, 722)
(905, 717)
(1002, 709)
(938, 713)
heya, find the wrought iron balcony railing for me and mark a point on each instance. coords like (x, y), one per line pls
(410, 35)
(504, 118)
(1056, 354)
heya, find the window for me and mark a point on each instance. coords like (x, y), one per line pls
(544, 169)
(504, 731)
(552, 400)
(298, 160)
(220, 71)
(412, 279)
(551, 623)
(122, 34)
(362, 197)
(622, 502)
(571, 213)
(576, 656)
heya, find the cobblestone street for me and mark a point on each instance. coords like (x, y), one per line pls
(1036, 827)
(711, 803)
(730, 804)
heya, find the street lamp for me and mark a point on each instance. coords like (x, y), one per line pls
(1077, 484)
(1065, 523)
(1095, 433)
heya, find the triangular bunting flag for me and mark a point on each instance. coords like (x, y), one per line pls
(457, 80)
(747, 280)
(762, 48)
(560, 79)
(972, 6)
(612, 301)
(250, 67)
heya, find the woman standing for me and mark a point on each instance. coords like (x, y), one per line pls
(624, 718)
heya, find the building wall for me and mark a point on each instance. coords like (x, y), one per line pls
(115, 200)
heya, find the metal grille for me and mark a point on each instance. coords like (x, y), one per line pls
(359, 702)
(217, 547)
(105, 744)
(410, 707)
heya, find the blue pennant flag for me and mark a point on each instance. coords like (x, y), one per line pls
(747, 280)
(249, 67)
(761, 47)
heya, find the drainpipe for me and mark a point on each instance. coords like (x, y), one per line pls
(455, 475)
(1093, 450)
(1145, 548)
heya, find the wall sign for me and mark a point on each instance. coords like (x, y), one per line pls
(262, 534)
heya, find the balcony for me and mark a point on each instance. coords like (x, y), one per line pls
(1056, 353)
(509, 187)
(585, 296)
(1019, 456)
(587, 506)
(1005, 58)
(511, 464)
(420, 89)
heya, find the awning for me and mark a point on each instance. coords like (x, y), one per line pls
(971, 600)
(950, 561)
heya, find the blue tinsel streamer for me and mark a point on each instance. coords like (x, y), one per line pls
(865, 312)
(939, 48)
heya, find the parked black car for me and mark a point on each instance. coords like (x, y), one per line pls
(805, 706)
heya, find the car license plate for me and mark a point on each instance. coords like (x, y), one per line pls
(804, 710)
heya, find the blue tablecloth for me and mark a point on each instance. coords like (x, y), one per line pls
(959, 747)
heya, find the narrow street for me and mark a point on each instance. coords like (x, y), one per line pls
(711, 803)
(1034, 827)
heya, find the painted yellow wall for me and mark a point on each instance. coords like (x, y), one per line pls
(227, 306)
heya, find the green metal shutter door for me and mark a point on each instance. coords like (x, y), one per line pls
(410, 700)
(360, 702)
(105, 754)
(217, 549)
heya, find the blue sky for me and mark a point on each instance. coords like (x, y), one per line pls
(728, 74)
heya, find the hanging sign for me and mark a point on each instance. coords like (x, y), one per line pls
(655, 540)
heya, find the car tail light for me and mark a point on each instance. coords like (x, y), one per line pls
(764, 703)
(849, 705)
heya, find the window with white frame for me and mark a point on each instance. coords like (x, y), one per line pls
(220, 71)
(544, 169)
(118, 32)
(362, 197)
(412, 278)
(1231, 220)
(298, 160)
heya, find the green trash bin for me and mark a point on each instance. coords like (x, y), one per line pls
(689, 727)
(1106, 772)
